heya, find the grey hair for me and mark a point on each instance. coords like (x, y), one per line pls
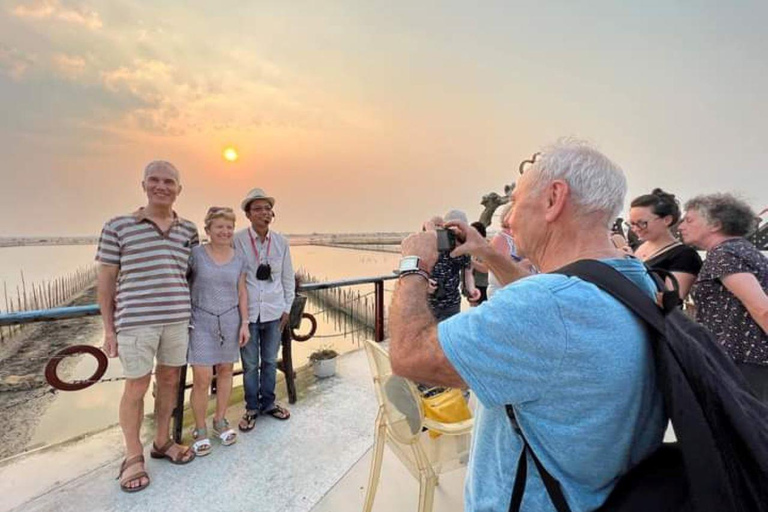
(160, 164)
(736, 217)
(456, 215)
(597, 185)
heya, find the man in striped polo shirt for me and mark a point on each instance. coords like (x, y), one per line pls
(144, 300)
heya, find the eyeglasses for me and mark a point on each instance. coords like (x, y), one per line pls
(641, 224)
(258, 209)
(530, 161)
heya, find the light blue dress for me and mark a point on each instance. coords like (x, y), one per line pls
(215, 323)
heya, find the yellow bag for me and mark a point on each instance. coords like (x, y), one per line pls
(447, 406)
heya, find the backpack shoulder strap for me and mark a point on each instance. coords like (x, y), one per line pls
(554, 490)
(628, 293)
(620, 287)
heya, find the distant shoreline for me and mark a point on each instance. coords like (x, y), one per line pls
(382, 238)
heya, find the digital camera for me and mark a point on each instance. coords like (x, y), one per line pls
(264, 272)
(446, 240)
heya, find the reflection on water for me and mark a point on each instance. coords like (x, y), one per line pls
(75, 413)
(41, 263)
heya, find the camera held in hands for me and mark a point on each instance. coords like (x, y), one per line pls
(446, 240)
(264, 272)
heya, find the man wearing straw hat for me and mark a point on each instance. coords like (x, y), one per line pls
(145, 308)
(271, 288)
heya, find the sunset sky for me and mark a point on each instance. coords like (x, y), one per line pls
(364, 116)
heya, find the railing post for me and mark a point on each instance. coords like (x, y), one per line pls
(287, 363)
(178, 412)
(379, 307)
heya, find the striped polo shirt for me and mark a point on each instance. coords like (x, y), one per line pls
(152, 286)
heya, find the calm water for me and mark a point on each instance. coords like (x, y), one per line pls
(96, 407)
(40, 264)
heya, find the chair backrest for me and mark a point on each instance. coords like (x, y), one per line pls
(397, 396)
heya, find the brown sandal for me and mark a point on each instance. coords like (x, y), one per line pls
(279, 412)
(247, 422)
(162, 453)
(127, 463)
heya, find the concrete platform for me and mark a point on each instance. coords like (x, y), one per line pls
(317, 461)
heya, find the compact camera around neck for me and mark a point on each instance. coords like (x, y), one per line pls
(264, 272)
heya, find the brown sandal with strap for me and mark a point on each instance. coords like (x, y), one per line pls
(279, 412)
(162, 453)
(127, 463)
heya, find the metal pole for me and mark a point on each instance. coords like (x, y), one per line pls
(290, 376)
(213, 381)
(379, 306)
(178, 412)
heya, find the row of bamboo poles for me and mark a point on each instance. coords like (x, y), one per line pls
(345, 306)
(45, 295)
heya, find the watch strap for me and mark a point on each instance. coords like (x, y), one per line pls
(417, 271)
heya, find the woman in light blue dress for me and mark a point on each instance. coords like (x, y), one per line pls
(219, 324)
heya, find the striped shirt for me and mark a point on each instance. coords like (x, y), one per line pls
(152, 284)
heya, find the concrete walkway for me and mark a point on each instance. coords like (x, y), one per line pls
(279, 466)
(317, 461)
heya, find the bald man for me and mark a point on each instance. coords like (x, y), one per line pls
(145, 307)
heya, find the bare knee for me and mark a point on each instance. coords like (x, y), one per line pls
(224, 371)
(167, 376)
(202, 377)
(135, 389)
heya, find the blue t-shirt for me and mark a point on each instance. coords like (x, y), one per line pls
(578, 368)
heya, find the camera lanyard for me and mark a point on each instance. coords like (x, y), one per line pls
(255, 250)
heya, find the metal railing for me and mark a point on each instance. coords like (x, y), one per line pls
(66, 313)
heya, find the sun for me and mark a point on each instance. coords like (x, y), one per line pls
(230, 154)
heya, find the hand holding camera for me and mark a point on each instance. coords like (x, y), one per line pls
(466, 239)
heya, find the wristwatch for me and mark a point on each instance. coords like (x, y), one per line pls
(411, 265)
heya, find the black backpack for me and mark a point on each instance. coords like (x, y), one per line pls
(720, 460)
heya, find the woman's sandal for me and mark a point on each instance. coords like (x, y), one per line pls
(179, 459)
(247, 422)
(202, 445)
(127, 463)
(226, 434)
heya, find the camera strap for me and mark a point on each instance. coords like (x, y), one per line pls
(255, 250)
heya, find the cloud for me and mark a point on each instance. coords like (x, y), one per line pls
(70, 67)
(14, 63)
(54, 9)
(144, 79)
(176, 99)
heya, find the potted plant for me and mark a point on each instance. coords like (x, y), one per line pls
(323, 362)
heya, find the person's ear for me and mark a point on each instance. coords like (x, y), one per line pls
(555, 196)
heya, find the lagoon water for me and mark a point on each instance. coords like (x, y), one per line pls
(96, 407)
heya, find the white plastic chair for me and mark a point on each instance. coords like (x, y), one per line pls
(400, 423)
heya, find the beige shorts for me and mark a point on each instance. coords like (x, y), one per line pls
(138, 347)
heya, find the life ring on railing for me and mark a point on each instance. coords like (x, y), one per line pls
(53, 364)
(312, 329)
